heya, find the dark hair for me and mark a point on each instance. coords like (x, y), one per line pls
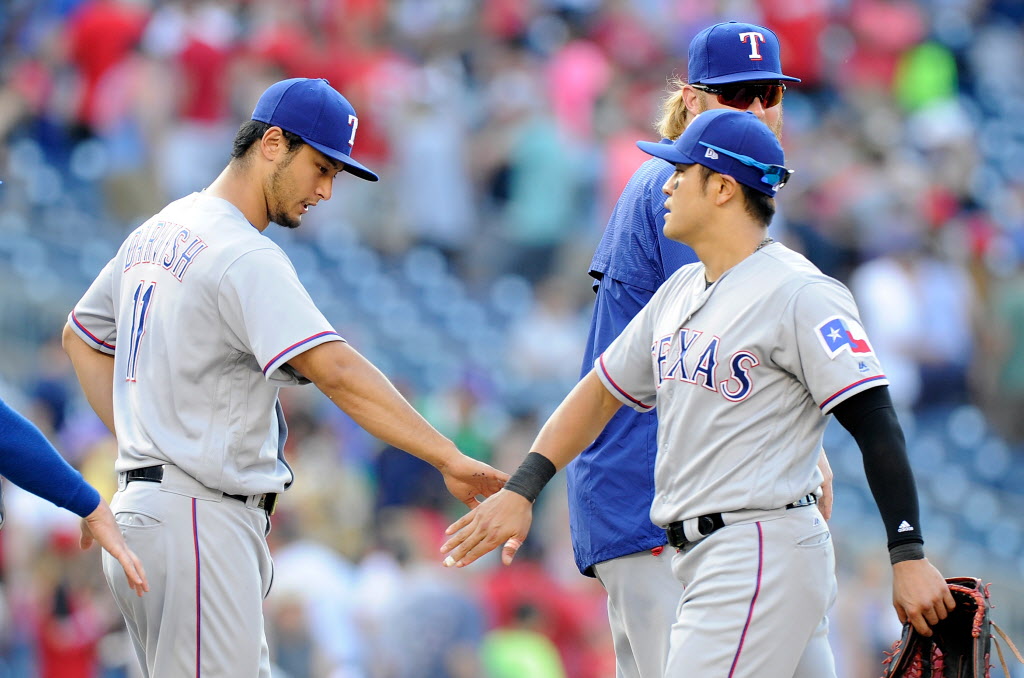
(760, 206)
(252, 131)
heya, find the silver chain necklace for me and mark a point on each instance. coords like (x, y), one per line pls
(767, 241)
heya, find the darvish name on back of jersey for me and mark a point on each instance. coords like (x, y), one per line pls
(163, 243)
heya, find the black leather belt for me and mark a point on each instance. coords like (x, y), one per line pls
(713, 521)
(155, 474)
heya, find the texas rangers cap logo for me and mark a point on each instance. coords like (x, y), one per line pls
(838, 334)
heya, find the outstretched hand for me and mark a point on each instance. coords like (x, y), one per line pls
(466, 478)
(504, 518)
(101, 527)
(920, 594)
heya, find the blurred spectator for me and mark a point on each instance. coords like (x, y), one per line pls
(926, 74)
(100, 34)
(49, 406)
(882, 29)
(405, 480)
(290, 639)
(544, 343)
(436, 205)
(198, 40)
(69, 633)
(918, 310)
(464, 414)
(802, 28)
(1007, 316)
(411, 603)
(577, 75)
(531, 170)
(521, 649)
(74, 612)
(313, 630)
(554, 611)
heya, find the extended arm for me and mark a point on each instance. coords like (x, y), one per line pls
(95, 372)
(920, 594)
(506, 517)
(29, 461)
(365, 394)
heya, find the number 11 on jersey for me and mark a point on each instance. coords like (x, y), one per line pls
(140, 312)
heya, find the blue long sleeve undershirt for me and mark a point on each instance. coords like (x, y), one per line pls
(29, 461)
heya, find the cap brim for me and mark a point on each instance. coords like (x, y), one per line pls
(667, 152)
(748, 76)
(351, 165)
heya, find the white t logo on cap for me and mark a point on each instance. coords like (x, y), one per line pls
(354, 121)
(752, 37)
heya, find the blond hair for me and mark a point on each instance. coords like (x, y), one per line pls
(674, 114)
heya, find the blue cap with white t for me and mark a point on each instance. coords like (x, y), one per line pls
(316, 112)
(735, 52)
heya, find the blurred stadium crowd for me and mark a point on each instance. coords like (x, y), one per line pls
(504, 131)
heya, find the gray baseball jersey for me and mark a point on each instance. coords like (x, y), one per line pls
(201, 313)
(742, 374)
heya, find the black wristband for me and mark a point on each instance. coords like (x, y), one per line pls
(531, 476)
(906, 551)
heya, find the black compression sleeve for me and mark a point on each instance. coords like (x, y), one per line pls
(871, 420)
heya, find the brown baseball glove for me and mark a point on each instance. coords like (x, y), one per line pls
(960, 644)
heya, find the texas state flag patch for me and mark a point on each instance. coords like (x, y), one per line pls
(838, 334)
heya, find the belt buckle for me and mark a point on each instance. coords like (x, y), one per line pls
(676, 536)
(806, 500)
(268, 502)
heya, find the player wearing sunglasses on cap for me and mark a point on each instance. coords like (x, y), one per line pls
(730, 65)
(743, 355)
(611, 483)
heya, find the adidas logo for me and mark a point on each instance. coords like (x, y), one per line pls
(711, 153)
(905, 527)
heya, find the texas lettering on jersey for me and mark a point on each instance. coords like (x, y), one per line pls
(165, 244)
(685, 356)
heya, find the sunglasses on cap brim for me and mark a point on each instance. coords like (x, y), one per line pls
(775, 176)
(742, 94)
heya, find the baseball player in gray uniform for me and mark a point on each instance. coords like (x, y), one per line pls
(744, 353)
(181, 345)
(611, 483)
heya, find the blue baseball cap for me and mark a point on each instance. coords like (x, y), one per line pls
(729, 142)
(735, 52)
(316, 112)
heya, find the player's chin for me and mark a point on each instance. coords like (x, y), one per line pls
(287, 220)
(670, 232)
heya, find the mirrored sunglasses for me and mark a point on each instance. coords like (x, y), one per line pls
(742, 94)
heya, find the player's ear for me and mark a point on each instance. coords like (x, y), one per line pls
(692, 100)
(273, 143)
(724, 188)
